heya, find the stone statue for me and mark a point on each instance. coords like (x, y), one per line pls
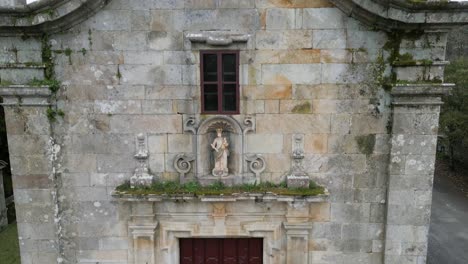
(220, 145)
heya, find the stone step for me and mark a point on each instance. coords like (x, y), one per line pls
(21, 73)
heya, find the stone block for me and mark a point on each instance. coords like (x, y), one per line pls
(271, 106)
(415, 123)
(200, 4)
(157, 163)
(143, 57)
(319, 212)
(113, 243)
(347, 164)
(407, 233)
(86, 194)
(102, 256)
(282, 89)
(316, 143)
(283, 39)
(334, 55)
(160, 92)
(138, 123)
(323, 18)
(369, 124)
(419, 164)
(111, 20)
(407, 214)
(329, 39)
(280, 18)
(363, 231)
(80, 162)
(36, 230)
(358, 39)
(350, 213)
(140, 20)
(35, 181)
(29, 165)
(116, 162)
(117, 107)
(315, 163)
(295, 73)
(180, 143)
(157, 143)
(161, 40)
(28, 144)
(157, 107)
(294, 181)
(264, 143)
(327, 230)
(277, 162)
(133, 40)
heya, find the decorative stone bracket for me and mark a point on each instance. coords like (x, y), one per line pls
(183, 165)
(257, 165)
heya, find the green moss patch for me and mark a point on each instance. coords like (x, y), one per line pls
(366, 144)
(303, 108)
(9, 247)
(172, 188)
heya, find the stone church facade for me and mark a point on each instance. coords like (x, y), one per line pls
(97, 93)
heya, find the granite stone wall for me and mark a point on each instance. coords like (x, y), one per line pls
(306, 68)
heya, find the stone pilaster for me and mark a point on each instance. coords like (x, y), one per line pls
(413, 148)
(297, 239)
(32, 153)
(142, 230)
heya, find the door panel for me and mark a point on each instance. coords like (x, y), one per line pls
(221, 250)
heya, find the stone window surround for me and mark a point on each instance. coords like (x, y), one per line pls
(220, 82)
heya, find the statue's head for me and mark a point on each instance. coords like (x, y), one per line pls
(219, 131)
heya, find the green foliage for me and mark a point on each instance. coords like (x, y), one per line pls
(218, 188)
(54, 85)
(454, 116)
(9, 245)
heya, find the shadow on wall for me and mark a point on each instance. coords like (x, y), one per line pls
(7, 180)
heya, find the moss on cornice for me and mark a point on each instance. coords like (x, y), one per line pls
(171, 188)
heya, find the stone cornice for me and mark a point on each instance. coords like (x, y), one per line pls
(46, 16)
(420, 94)
(221, 198)
(24, 95)
(403, 14)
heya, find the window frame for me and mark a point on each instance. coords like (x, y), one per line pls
(219, 82)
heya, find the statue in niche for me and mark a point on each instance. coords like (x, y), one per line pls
(221, 153)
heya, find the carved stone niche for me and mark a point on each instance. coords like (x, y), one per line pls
(232, 131)
(240, 167)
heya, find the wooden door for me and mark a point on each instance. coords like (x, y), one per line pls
(221, 250)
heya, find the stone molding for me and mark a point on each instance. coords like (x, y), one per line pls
(32, 20)
(268, 197)
(24, 95)
(398, 14)
(217, 38)
(419, 94)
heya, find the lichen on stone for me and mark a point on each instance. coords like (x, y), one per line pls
(366, 144)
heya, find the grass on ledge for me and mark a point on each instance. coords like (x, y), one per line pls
(218, 188)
